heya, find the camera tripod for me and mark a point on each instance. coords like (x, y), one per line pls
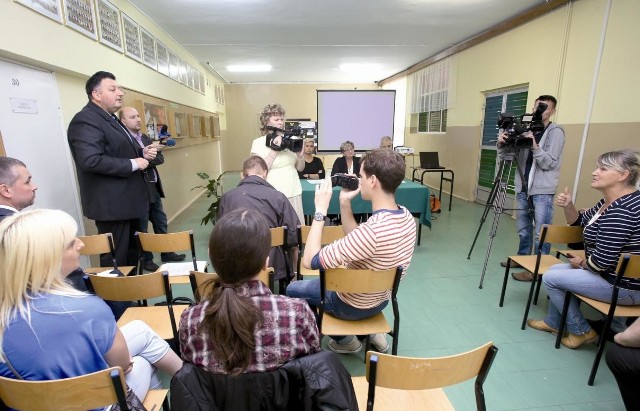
(495, 201)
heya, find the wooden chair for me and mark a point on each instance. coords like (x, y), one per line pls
(102, 244)
(360, 281)
(164, 243)
(539, 264)
(565, 251)
(200, 281)
(279, 239)
(162, 319)
(330, 234)
(90, 391)
(627, 276)
(396, 380)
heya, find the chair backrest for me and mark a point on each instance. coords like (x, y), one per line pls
(627, 273)
(406, 373)
(555, 234)
(330, 234)
(99, 244)
(164, 243)
(278, 236)
(358, 281)
(202, 282)
(91, 391)
(131, 288)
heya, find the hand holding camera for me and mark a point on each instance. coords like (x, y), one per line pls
(348, 181)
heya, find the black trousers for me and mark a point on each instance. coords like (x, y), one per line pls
(624, 363)
(123, 237)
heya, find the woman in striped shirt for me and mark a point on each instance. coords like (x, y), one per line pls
(611, 228)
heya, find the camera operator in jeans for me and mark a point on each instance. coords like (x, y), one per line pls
(536, 181)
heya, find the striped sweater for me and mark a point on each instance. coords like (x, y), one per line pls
(385, 241)
(615, 232)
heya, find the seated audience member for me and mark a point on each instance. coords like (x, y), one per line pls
(50, 330)
(313, 167)
(240, 327)
(623, 359)
(611, 228)
(254, 192)
(385, 241)
(348, 163)
(386, 142)
(17, 190)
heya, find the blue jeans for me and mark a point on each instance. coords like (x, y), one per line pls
(158, 218)
(561, 278)
(309, 290)
(527, 224)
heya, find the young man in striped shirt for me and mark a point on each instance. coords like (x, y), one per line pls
(386, 240)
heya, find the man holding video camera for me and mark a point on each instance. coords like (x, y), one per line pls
(537, 179)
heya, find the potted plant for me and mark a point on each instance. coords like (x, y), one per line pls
(214, 189)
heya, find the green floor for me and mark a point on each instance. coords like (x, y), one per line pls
(444, 312)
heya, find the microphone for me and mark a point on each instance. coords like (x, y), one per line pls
(165, 137)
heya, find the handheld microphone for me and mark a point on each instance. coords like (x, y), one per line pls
(165, 137)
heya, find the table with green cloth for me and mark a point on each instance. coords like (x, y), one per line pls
(413, 196)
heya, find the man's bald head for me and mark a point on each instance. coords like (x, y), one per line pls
(131, 119)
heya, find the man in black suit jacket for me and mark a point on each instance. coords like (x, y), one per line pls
(17, 190)
(110, 167)
(131, 119)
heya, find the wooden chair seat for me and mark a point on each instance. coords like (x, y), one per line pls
(154, 399)
(156, 317)
(576, 253)
(620, 311)
(528, 262)
(372, 325)
(395, 400)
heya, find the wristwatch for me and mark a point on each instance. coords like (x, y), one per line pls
(318, 216)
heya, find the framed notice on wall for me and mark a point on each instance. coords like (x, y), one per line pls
(109, 22)
(148, 48)
(81, 17)
(132, 46)
(162, 55)
(49, 8)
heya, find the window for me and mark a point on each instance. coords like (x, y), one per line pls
(432, 96)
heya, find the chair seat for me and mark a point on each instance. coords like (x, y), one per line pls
(373, 325)
(179, 279)
(156, 317)
(528, 262)
(308, 272)
(576, 253)
(621, 310)
(394, 400)
(154, 399)
(126, 270)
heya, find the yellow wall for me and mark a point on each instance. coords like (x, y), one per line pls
(554, 54)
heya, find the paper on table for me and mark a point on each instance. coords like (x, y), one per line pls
(314, 181)
(107, 273)
(179, 269)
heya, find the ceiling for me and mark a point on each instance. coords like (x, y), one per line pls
(306, 41)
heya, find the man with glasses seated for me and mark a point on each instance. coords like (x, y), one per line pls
(131, 119)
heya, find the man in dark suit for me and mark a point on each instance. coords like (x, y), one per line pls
(131, 120)
(110, 167)
(17, 190)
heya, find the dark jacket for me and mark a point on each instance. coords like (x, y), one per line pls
(157, 186)
(102, 151)
(5, 212)
(340, 166)
(313, 382)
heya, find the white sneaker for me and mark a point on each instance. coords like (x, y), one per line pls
(379, 342)
(351, 347)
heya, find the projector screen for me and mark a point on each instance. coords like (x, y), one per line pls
(361, 116)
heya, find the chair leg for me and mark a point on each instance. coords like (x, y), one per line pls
(563, 318)
(538, 285)
(504, 283)
(529, 299)
(601, 342)
(367, 347)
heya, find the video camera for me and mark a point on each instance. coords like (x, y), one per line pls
(515, 126)
(345, 181)
(291, 138)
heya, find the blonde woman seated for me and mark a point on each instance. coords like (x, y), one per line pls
(241, 327)
(48, 329)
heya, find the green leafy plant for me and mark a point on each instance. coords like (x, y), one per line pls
(214, 189)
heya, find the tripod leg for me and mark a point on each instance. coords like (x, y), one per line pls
(498, 210)
(489, 204)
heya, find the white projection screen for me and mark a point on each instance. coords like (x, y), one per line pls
(361, 116)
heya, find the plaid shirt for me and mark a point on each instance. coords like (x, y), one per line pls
(288, 331)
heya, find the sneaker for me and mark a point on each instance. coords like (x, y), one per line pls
(512, 264)
(351, 347)
(379, 342)
(150, 266)
(172, 257)
(525, 276)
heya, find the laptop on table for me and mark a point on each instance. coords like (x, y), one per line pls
(429, 160)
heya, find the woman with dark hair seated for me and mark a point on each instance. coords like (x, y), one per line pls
(240, 326)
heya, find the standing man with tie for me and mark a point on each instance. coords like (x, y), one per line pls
(110, 166)
(131, 119)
